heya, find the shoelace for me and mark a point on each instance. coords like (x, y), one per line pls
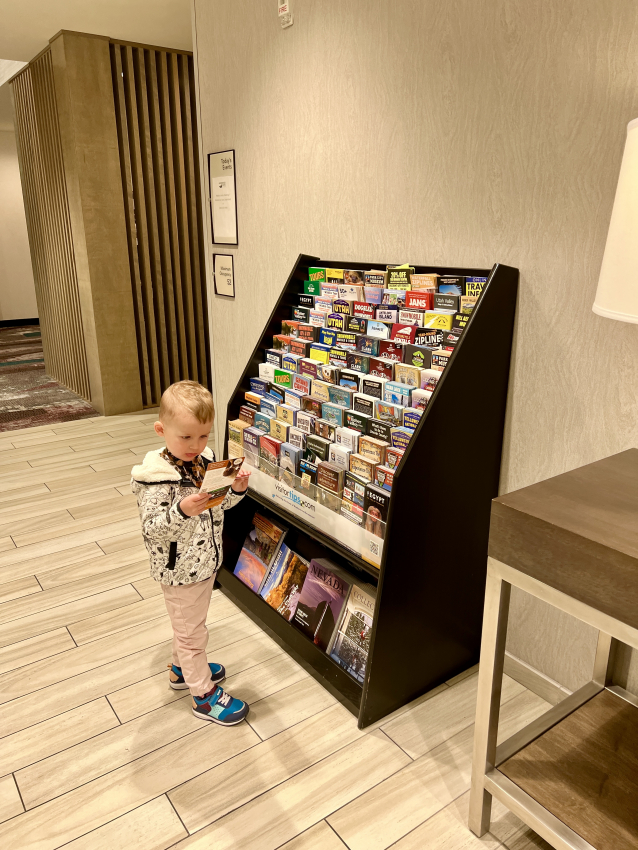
(224, 699)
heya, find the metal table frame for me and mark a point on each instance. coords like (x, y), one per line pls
(487, 780)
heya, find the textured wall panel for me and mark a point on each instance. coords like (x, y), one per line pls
(48, 224)
(154, 101)
(448, 133)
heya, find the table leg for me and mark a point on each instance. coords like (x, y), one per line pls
(603, 660)
(497, 601)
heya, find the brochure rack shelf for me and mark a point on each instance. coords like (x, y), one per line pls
(431, 574)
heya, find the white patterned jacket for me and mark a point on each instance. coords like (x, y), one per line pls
(182, 549)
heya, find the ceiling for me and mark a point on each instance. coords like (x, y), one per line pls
(27, 25)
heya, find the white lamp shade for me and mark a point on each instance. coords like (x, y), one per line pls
(617, 293)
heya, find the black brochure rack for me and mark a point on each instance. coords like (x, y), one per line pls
(430, 583)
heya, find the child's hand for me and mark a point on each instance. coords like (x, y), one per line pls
(241, 481)
(195, 504)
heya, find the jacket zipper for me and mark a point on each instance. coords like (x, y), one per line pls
(212, 528)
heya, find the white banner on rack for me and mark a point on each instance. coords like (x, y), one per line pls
(361, 542)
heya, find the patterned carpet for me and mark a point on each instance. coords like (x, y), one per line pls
(28, 397)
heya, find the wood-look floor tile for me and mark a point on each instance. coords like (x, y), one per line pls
(9, 456)
(147, 587)
(6, 543)
(116, 793)
(447, 830)
(89, 456)
(115, 747)
(73, 662)
(306, 798)
(65, 695)
(407, 707)
(14, 499)
(434, 721)
(91, 481)
(213, 794)
(71, 471)
(68, 593)
(56, 560)
(9, 436)
(30, 650)
(52, 736)
(145, 652)
(10, 803)
(91, 432)
(395, 807)
(64, 615)
(138, 612)
(96, 509)
(149, 692)
(34, 523)
(123, 438)
(110, 423)
(49, 503)
(463, 675)
(16, 466)
(99, 563)
(93, 758)
(251, 684)
(153, 826)
(133, 458)
(70, 541)
(318, 837)
(21, 587)
(116, 513)
(290, 706)
(110, 545)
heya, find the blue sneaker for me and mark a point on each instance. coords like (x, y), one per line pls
(177, 683)
(220, 707)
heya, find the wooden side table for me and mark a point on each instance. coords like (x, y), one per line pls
(572, 774)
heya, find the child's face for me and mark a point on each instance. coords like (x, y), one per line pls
(185, 436)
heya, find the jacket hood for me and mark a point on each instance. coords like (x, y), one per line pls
(154, 469)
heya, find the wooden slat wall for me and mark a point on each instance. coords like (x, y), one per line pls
(47, 213)
(155, 108)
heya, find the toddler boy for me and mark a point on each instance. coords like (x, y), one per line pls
(184, 541)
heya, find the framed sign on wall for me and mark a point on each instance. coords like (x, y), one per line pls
(223, 197)
(224, 275)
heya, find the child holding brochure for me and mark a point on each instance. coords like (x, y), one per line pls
(182, 494)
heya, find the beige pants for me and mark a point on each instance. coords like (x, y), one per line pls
(187, 607)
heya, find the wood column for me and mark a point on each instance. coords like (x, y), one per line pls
(88, 132)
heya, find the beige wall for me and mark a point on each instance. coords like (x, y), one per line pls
(17, 290)
(463, 132)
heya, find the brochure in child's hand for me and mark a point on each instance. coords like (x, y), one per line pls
(219, 479)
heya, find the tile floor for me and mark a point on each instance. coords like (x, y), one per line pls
(98, 752)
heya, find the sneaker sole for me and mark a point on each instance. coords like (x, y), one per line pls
(184, 687)
(219, 722)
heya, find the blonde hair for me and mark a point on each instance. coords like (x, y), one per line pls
(188, 395)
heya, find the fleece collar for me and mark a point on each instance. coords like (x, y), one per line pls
(154, 469)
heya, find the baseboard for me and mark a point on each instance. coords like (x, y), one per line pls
(16, 323)
(534, 680)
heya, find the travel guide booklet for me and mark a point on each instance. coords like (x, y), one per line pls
(219, 479)
(352, 640)
(259, 552)
(321, 601)
(284, 582)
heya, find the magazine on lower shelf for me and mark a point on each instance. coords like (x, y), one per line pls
(259, 551)
(283, 585)
(321, 601)
(351, 643)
